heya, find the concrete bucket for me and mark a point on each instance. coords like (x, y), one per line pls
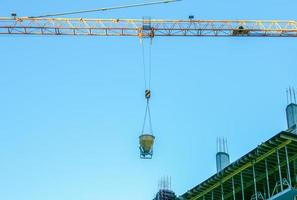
(146, 142)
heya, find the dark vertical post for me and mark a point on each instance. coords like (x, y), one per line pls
(267, 178)
(295, 172)
(242, 187)
(222, 191)
(288, 167)
(264, 190)
(233, 188)
(279, 170)
(255, 182)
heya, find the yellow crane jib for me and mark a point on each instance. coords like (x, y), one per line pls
(147, 28)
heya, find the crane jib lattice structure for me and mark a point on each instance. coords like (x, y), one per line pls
(147, 28)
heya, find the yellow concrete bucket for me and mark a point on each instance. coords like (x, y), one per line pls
(146, 142)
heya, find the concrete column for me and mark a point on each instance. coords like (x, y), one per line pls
(233, 188)
(264, 190)
(288, 167)
(242, 187)
(212, 196)
(222, 191)
(295, 172)
(255, 182)
(279, 170)
(267, 178)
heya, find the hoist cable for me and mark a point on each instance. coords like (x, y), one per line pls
(144, 120)
(150, 65)
(147, 82)
(144, 65)
(149, 114)
(147, 67)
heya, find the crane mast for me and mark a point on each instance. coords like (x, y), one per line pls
(147, 27)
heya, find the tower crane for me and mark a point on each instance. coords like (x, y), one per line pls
(53, 25)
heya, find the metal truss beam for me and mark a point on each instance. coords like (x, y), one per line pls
(147, 28)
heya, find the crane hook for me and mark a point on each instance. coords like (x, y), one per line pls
(147, 94)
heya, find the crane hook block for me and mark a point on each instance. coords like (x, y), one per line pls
(147, 94)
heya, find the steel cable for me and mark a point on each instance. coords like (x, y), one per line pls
(104, 9)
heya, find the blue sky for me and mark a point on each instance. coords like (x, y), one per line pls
(72, 107)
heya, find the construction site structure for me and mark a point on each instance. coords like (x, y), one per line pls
(268, 172)
(291, 109)
(165, 192)
(222, 156)
(165, 195)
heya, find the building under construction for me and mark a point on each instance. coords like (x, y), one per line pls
(165, 192)
(268, 172)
